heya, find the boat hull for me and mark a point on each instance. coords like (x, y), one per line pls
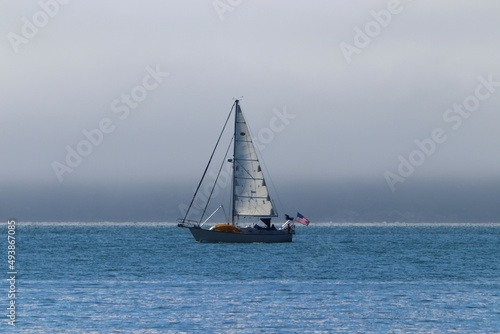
(248, 236)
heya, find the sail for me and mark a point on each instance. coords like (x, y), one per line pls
(250, 193)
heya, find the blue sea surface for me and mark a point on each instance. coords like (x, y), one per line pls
(334, 278)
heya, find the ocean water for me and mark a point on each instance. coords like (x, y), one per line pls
(334, 278)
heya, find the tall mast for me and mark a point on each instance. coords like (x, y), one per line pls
(237, 106)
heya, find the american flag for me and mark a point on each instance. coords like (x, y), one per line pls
(301, 219)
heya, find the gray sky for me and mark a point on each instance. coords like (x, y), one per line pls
(336, 91)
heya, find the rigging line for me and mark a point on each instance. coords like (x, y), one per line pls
(225, 213)
(223, 198)
(275, 192)
(246, 171)
(209, 161)
(216, 179)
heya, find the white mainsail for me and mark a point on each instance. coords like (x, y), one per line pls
(250, 193)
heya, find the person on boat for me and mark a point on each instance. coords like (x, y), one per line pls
(266, 221)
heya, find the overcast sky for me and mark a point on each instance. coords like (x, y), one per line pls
(387, 92)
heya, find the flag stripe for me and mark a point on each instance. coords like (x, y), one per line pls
(301, 219)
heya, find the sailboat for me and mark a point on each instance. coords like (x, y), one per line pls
(249, 198)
